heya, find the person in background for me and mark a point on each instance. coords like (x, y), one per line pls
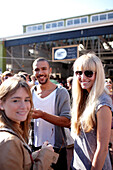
(108, 86)
(53, 80)
(5, 75)
(15, 115)
(69, 85)
(52, 112)
(21, 76)
(91, 115)
(71, 146)
(22, 73)
(33, 81)
(26, 75)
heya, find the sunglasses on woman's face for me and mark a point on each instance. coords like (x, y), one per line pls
(88, 73)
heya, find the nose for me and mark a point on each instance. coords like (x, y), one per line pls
(22, 105)
(40, 71)
(83, 76)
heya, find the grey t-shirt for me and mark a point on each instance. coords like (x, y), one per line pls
(85, 143)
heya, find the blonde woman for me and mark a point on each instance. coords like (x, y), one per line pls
(91, 115)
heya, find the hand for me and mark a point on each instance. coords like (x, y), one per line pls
(48, 145)
(37, 114)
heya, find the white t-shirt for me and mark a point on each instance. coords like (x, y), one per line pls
(43, 130)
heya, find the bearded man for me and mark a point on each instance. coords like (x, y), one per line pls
(51, 113)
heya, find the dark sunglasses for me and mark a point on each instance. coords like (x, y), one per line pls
(88, 73)
(6, 77)
(108, 82)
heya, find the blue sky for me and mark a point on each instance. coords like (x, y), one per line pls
(14, 14)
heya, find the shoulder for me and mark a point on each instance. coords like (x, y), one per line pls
(13, 152)
(10, 145)
(104, 100)
(61, 89)
(62, 95)
(7, 138)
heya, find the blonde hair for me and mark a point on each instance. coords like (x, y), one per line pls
(83, 107)
(7, 89)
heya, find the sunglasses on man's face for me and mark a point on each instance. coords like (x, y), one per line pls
(88, 73)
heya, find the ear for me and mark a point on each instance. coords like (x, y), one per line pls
(1, 105)
(50, 70)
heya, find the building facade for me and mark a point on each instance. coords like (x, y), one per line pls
(93, 32)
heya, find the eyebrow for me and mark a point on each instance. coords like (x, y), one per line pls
(18, 97)
(40, 68)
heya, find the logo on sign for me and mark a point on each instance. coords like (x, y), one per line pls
(60, 54)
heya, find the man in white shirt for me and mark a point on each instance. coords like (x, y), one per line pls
(51, 113)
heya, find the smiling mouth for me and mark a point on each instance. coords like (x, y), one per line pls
(84, 82)
(41, 76)
(22, 113)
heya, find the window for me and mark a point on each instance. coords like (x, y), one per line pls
(77, 21)
(48, 26)
(40, 27)
(84, 20)
(28, 29)
(103, 17)
(34, 28)
(70, 22)
(110, 15)
(60, 24)
(94, 18)
(54, 25)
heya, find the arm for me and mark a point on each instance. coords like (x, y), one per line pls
(54, 119)
(104, 117)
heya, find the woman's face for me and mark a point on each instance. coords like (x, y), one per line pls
(85, 81)
(17, 106)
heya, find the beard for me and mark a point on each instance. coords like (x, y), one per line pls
(42, 82)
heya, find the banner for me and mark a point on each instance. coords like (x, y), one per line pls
(65, 53)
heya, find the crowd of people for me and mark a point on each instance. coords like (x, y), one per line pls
(35, 112)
